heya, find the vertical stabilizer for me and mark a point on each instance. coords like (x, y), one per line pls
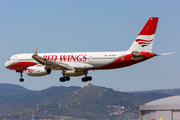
(144, 40)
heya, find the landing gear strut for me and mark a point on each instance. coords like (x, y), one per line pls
(21, 79)
(86, 78)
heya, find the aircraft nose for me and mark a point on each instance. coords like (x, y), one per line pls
(6, 65)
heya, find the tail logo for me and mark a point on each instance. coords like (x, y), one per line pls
(144, 43)
(144, 40)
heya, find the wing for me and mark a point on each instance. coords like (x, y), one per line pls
(50, 64)
(62, 65)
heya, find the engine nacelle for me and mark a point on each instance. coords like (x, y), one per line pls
(38, 70)
(73, 73)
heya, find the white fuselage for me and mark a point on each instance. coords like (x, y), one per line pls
(79, 60)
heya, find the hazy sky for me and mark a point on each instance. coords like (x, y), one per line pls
(88, 26)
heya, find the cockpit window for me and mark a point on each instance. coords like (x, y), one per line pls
(8, 59)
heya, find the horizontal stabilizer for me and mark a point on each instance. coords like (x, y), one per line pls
(165, 54)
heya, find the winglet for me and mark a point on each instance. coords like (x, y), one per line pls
(36, 51)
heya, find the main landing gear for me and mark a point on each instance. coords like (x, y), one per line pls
(21, 79)
(64, 78)
(86, 78)
(67, 78)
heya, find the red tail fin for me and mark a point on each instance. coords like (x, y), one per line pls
(144, 40)
(150, 27)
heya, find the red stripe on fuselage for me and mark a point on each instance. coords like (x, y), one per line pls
(21, 65)
(127, 61)
(118, 63)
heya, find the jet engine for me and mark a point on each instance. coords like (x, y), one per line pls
(38, 70)
(73, 73)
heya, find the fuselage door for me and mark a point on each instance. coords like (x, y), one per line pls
(90, 59)
(15, 59)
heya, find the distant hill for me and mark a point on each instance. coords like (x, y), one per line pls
(89, 102)
(149, 95)
(156, 94)
(33, 96)
(93, 101)
(169, 91)
(7, 89)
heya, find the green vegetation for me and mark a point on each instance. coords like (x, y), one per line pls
(156, 94)
(89, 102)
(69, 103)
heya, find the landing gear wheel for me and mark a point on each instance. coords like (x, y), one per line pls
(87, 78)
(21, 80)
(67, 78)
(61, 79)
(84, 79)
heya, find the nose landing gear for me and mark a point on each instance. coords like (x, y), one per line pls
(21, 79)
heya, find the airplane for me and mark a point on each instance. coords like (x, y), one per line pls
(78, 64)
